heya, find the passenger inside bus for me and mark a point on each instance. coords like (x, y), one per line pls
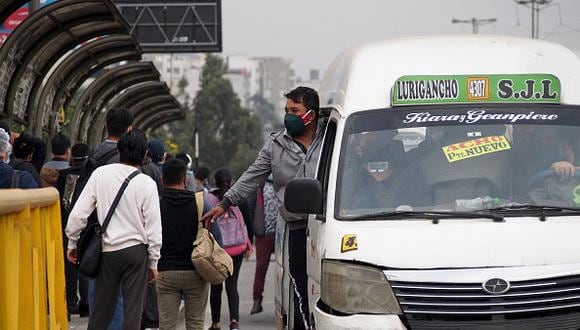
(378, 175)
(536, 149)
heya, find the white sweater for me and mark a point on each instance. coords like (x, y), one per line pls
(137, 218)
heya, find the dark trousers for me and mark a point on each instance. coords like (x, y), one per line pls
(72, 292)
(72, 278)
(120, 271)
(215, 298)
(264, 248)
(150, 318)
(299, 277)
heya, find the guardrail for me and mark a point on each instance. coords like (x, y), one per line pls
(32, 286)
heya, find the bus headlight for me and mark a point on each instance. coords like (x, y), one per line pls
(352, 289)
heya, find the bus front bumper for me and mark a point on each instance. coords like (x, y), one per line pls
(326, 321)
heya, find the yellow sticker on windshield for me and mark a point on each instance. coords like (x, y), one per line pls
(349, 243)
(475, 148)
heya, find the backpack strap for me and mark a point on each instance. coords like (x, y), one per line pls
(199, 204)
(117, 199)
(15, 179)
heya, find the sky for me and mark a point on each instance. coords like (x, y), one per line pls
(313, 32)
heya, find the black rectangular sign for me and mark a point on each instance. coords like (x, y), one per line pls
(174, 26)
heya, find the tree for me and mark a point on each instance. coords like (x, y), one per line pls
(266, 112)
(229, 135)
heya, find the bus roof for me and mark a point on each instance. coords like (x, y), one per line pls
(361, 78)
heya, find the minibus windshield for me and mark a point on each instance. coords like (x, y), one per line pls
(460, 158)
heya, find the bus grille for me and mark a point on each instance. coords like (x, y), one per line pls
(526, 303)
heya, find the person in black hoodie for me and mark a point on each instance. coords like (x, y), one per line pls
(177, 274)
(66, 182)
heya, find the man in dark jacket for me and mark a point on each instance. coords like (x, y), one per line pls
(37, 146)
(29, 155)
(66, 185)
(177, 275)
(60, 147)
(8, 177)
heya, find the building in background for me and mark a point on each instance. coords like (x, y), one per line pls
(244, 74)
(176, 67)
(276, 78)
(269, 77)
(313, 81)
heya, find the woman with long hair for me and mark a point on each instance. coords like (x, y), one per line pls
(231, 231)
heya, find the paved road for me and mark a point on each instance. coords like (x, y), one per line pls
(264, 320)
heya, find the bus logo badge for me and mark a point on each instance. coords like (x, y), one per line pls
(496, 286)
(349, 243)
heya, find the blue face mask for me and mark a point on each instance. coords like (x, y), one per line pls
(294, 124)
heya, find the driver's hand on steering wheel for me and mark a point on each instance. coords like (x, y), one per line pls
(563, 168)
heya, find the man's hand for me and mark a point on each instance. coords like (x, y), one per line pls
(210, 216)
(71, 255)
(563, 168)
(152, 275)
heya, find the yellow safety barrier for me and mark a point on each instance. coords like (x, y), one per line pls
(32, 287)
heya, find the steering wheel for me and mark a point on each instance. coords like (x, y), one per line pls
(544, 174)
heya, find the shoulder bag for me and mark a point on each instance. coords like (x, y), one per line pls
(90, 244)
(211, 261)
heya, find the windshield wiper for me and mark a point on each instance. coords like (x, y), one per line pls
(532, 208)
(432, 215)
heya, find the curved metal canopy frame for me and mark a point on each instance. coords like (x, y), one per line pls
(161, 120)
(95, 91)
(138, 93)
(98, 104)
(113, 87)
(43, 38)
(153, 111)
(144, 107)
(164, 121)
(65, 95)
(160, 108)
(80, 64)
(129, 97)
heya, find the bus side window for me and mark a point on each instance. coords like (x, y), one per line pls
(323, 174)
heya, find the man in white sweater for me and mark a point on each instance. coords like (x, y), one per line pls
(131, 242)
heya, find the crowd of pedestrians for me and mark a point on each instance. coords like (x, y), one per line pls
(146, 270)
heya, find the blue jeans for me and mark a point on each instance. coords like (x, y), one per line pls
(117, 322)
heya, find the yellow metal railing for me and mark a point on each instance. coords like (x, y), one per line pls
(32, 287)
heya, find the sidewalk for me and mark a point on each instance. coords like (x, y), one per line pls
(264, 320)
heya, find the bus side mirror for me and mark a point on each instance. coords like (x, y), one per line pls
(303, 196)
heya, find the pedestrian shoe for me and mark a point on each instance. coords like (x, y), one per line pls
(211, 327)
(234, 325)
(257, 308)
(83, 310)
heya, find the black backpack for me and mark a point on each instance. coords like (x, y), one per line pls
(89, 167)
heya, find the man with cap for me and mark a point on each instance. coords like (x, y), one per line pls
(156, 150)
